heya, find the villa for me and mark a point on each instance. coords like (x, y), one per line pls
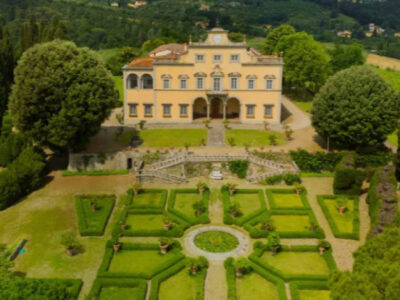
(212, 79)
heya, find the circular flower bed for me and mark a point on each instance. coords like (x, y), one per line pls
(216, 241)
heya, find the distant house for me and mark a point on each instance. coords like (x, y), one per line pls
(345, 34)
(204, 7)
(397, 34)
(138, 3)
(372, 28)
(114, 4)
(202, 24)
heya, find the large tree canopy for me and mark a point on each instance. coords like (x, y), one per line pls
(274, 37)
(344, 57)
(356, 107)
(61, 95)
(306, 62)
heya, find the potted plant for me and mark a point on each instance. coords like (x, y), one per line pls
(272, 139)
(231, 188)
(274, 242)
(70, 241)
(201, 187)
(167, 223)
(242, 266)
(267, 225)
(141, 124)
(226, 123)
(231, 142)
(266, 125)
(246, 146)
(323, 245)
(313, 226)
(288, 131)
(196, 264)
(199, 208)
(341, 203)
(115, 235)
(207, 123)
(187, 145)
(234, 209)
(93, 205)
(136, 188)
(298, 188)
(122, 225)
(165, 243)
(203, 142)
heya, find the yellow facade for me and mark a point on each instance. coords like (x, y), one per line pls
(215, 79)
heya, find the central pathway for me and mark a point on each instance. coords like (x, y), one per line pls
(216, 134)
(215, 286)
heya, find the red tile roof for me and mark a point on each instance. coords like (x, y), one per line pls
(143, 62)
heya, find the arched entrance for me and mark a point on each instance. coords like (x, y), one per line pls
(199, 108)
(216, 108)
(233, 108)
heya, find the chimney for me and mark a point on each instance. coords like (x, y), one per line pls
(185, 47)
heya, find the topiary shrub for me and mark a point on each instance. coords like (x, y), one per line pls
(239, 167)
(347, 179)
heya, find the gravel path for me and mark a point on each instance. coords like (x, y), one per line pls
(215, 287)
(299, 119)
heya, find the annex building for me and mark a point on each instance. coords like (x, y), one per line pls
(213, 79)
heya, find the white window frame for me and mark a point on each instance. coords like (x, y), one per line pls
(235, 55)
(215, 58)
(185, 107)
(150, 106)
(202, 60)
(166, 83)
(132, 109)
(271, 112)
(250, 107)
(183, 87)
(251, 86)
(269, 84)
(200, 79)
(234, 79)
(167, 109)
(219, 85)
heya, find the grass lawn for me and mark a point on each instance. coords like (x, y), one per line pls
(184, 202)
(119, 86)
(304, 105)
(293, 263)
(313, 295)
(252, 138)
(216, 241)
(344, 222)
(255, 287)
(152, 199)
(248, 202)
(144, 222)
(106, 54)
(391, 76)
(287, 200)
(392, 138)
(137, 261)
(111, 293)
(284, 223)
(181, 286)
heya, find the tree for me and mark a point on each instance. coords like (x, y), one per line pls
(306, 62)
(116, 62)
(275, 36)
(356, 107)
(61, 95)
(345, 57)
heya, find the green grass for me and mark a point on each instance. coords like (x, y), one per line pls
(248, 202)
(256, 43)
(393, 77)
(145, 222)
(255, 287)
(252, 138)
(216, 241)
(181, 286)
(94, 173)
(287, 200)
(111, 293)
(184, 202)
(119, 86)
(137, 261)
(304, 105)
(314, 174)
(392, 138)
(313, 295)
(106, 54)
(296, 263)
(344, 222)
(284, 223)
(148, 199)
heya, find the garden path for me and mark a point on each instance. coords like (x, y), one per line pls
(299, 119)
(215, 285)
(216, 135)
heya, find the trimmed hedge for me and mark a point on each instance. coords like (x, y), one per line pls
(230, 278)
(93, 223)
(192, 220)
(355, 235)
(11, 148)
(109, 253)
(303, 197)
(313, 174)
(316, 162)
(255, 258)
(158, 279)
(95, 173)
(295, 286)
(228, 219)
(163, 197)
(347, 179)
(100, 283)
(239, 167)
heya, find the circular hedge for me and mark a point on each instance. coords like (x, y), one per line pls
(216, 241)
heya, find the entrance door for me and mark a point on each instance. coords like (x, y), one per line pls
(216, 108)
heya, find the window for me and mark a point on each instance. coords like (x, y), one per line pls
(200, 58)
(132, 81)
(132, 109)
(234, 83)
(234, 57)
(183, 110)
(148, 110)
(268, 110)
(200, 83)
(217, 84)
(147, 81)
(269, 84)
(251, 84)
(166, 84)
(183, 84)
(166, 110)
(217, 58)
(250, 110)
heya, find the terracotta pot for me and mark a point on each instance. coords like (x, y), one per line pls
(198, 213)
(164, 249)
(123, 226)
(231, 191)
(193, 271)
(116, 247)
(69, 251)
(93, 207)
(201, 190)
(341, 210)
(166, 226)
(238, 273)
(321, 250)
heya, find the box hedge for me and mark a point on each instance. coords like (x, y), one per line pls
(302, 195)
(295, 286)
(100, 283)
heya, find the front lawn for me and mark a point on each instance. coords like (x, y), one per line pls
(255, 287)
(248, 202)
(291, 223)
(287, 198)
(184, 202)
(252, 138)
(150, 198)
(314, 295)
(181, 286)
(144, 221)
